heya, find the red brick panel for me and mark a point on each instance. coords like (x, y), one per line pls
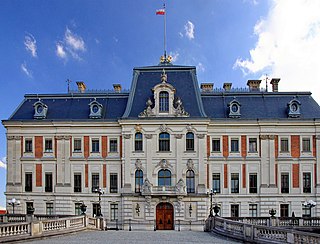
(276, 173)
(86, 146)
(314, 146)
(104, 176)
(276, 146)
(38, 175)
(244, 146)
(225, 146)
(295, 175)
(86, 176)
(39, 146)
(225, 176)
(120, 146)
(104, 146)
(208, 146)
(244, 176)
(295, 146)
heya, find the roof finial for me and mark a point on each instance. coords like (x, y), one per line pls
(68, 81)
(267, 82)
(164, 76)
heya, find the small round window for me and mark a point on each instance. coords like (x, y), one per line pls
(95, 108)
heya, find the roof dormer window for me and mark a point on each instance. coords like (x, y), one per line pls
(294, 108)
(234, 109)
(40, 110)
(95, 110)
(163, 101)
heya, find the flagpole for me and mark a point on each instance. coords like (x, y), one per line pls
(165, 30)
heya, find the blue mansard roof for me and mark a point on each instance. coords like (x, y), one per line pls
(207, 105)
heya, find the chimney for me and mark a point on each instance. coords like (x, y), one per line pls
(206, 87)
(117, 88)
(227, 86)
(81, 86)
(275, 84)
(254, 85)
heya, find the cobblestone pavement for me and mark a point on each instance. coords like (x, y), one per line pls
(135, 237)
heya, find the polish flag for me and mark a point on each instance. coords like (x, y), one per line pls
(160, 12)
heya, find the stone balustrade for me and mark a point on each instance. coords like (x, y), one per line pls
(47, 227)
(272, 231)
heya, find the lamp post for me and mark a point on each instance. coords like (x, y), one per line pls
(211, 205)
(310, 204)
(138, 209)
(13, 202)
(100, 192)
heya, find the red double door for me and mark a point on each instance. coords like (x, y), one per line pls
(164, 216)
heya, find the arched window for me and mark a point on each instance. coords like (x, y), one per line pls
(164, 142)
(190, 141)
(190, 181)
(163, 101)
(139, 180)
(138, 142)
(164, 177)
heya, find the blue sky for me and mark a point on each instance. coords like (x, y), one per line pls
(44, 43)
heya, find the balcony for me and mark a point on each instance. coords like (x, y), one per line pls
(178, 190)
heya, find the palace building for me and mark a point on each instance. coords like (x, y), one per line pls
(158, 149)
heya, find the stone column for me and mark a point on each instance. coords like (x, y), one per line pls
(63, 173)
(127, 164)
(149, 146)
(272, 161)
(179, 153)
(318, 163)
(14, 150)
(202, 169)
(265, 153)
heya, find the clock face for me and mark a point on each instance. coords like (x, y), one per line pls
(234, 108)
(95, 108)
(294, 107)
(39, 109)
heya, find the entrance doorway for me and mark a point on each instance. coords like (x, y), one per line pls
(164, 216)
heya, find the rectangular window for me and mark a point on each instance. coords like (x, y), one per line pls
(113, 183)
(29, 206)
(77, 182)
(306, 211)
(113, 145)
(234, 183)
(216, 182)
(28, 145)
(234, 145)
(234, 210)
(253, 184)
(48, 145)
(95, 145)
(284, 183)
(49, 208)
(28, 182)
(114, 211)
(284, 210)
(95, 182)
(77, 145)
(253, 210)
(48, 182)
(216, 145)
(77, 208)
(307, 182)
(306, 145)
(284, 146)
(253, 145)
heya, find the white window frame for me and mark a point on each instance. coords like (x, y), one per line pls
(48, 153)
(252, 153)
(29, 154)
(95, 154)
(284, 153)
(238, 153)
(306, 153)
(216, 153)
(109, 145)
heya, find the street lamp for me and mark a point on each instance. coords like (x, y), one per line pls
(211, 205)
(138, 209)
(310, 204)
(100, 192)
(13, 202)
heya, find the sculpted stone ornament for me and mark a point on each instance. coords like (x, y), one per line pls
(148, 136)
(148, 112)
(138, 164)
(179, 110)
(201, 136)
(164, 164)
(178, 136)
(13, 137)
(190, 128)
(163, 128)
(180, 186)
(190, 164)
(138, 128)
(146, 187)
(127, 136)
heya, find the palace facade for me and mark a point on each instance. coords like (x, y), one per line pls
(158, 149)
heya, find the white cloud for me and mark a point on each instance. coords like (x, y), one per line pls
(254, 2)
(60, 51)
(200, 67)
(288, 45)
(3, 163)
(25, 70)
(189, 30)
(30, 44)
(71, 46)
(175, 56)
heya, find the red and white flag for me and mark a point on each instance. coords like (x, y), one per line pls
(160, 12)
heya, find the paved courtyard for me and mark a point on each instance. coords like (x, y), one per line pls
(135, 237)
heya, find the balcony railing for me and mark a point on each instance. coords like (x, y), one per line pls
(164, 190)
